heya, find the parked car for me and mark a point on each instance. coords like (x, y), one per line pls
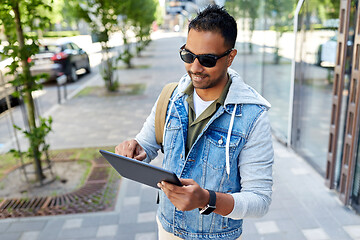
(6, 88)
(61, 58)
(326, 56)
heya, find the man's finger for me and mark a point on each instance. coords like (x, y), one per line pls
(186, 182)
(141, 156)
(173, 188)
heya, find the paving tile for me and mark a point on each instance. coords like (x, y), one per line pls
(293, 235)
(267, 227)
(107, 231)
(146, 217)
(304, 220)
(249, 227)
(128, 201)
(52, 228)
(316, 209)
(146, 236)
(275, 214)
(4, 227)
(104, 238)
(276, 203)
(129, 214)
(299, 171)
(75, 233)
(144, 187)
(289, 229)
(347, 216)
(353, 231)
(126, 236)
(136, 228)
(333, 229)
(109, 219)
(91, 221)
(10, 236)
(133, 189)
(270, 236)
(245, 236)
(315, 234)
(26, 226)
(73, 223)
(148, 206)
(33, 235)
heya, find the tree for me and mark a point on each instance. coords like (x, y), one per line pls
(102, 16)
(137, 16)
(245, 9)
(281, 11)
(106, 17)
(143, 17)
(14, 16)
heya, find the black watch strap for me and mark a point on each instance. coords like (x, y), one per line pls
(211, 206)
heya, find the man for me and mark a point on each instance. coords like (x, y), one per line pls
(217, 139)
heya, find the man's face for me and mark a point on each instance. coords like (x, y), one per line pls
(205, 42)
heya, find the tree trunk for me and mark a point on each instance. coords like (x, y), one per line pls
(28, 99)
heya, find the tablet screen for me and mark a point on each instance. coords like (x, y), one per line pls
(140, 171)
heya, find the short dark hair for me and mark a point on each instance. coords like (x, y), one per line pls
(216, 19)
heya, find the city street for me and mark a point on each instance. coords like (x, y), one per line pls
(47, 99)
(302, 206)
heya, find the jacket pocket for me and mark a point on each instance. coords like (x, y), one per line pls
(215, 156)
(172, 129)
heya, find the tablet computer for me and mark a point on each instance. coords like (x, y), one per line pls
(140, 171)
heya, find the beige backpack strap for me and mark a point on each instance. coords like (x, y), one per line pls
(161, 109)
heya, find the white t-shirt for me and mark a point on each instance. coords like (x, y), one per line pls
(200, 105)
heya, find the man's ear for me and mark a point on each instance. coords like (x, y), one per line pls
(231, 57)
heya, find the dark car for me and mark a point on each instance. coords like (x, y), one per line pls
(60, 58)
(6, 88)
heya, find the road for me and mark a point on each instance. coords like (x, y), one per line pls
(45, 100)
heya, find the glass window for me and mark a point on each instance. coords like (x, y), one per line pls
(49, 48)
(74, 46)
(314, 74)
(356, 185)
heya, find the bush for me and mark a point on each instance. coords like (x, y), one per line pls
(55, 34)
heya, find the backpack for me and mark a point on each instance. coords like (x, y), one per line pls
(161, 109)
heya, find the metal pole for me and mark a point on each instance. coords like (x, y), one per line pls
(292, 81)
(59, 93)
(13, 123)
(65, 92)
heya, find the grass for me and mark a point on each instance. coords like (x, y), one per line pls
(86, 174)
(8, 161)
(123, 90)
(134, 67)
(86, 91)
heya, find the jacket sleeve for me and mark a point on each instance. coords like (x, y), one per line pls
(146, 137)
(255, 167)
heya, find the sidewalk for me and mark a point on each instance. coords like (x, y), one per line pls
(302, 207)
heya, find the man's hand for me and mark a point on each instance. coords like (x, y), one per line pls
(131, 149)
(187, 197)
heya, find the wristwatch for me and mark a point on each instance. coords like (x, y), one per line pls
(211, 206)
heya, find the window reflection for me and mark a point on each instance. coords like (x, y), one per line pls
(266, 50)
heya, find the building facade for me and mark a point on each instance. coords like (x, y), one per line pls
(303, 56)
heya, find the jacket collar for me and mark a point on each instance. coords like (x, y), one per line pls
(239, 92)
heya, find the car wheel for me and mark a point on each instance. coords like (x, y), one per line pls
(73, 77)
(88, 68)
(318, 59)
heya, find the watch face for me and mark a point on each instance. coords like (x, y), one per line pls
(211, 206)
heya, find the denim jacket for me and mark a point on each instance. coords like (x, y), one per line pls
(233, 154)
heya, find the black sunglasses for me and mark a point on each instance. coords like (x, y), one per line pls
(207, 60)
